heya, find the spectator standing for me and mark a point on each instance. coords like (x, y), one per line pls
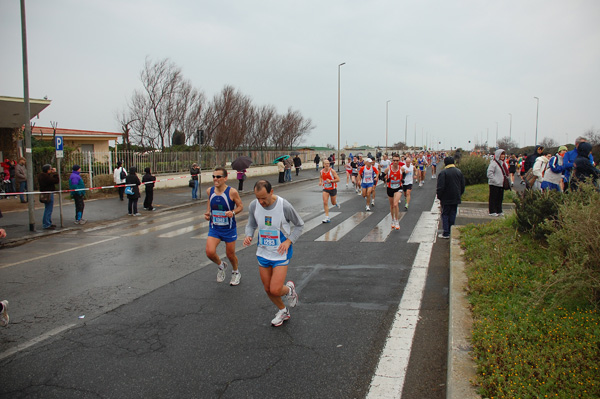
(134, 195)
(119, 176)
(47, 181)
(343, 158)
(553, 177)
(495, 174)
(317, 160)
(583, 168)
(21, 177)
(288, 163)
(450, 187)
(148, 181)
(297, 164)
(570, 156)
(539, 169)
(530, 160)
(76, 183)
(241, 176)
(281, 170)
(194, 172)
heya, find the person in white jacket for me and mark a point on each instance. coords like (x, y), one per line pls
(539, 168)
(496, 171)
(119, 178)
(553, 177)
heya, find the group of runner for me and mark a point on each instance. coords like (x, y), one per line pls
(278, 225)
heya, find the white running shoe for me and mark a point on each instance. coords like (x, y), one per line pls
(82, 221)
(493, 214)
(326, 220)
(281, 316)
(337, 206)
(397, 225)
(4, 319)
(235, 278)
(292, 296)
(367, 208)
(372, 202)
(221, 273)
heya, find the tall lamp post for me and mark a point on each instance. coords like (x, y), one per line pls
(386, 124)
(510, 128)
(338, 146)
(536, 119)
(405, 130)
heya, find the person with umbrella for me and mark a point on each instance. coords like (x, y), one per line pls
(241, 164)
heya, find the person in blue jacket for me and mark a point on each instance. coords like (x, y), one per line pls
(76, 183)
(569, 160)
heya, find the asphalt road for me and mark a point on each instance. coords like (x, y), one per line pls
(131, 308)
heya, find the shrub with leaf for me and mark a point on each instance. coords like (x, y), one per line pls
(474, 169)
(533, 208)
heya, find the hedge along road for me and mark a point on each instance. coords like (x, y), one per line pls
(157, 324)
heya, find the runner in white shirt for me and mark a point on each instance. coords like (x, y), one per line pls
(279, 226)
(409, 171)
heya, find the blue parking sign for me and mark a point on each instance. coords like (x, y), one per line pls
(59, 143)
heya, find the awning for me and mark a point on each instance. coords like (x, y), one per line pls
(12, 110)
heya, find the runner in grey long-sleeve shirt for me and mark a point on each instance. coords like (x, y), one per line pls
(279, 226)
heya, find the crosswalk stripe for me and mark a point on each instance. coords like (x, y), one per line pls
(163, 226)
(317, 221)
(383, 229)
(240, 225)
(339, 231)
(184, 230)
(143, 223)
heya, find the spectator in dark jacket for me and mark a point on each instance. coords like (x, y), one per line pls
(149, 189)
(132, 178)
(47, 181)
(317, 160)
(297, 164)
(569, 159)
(583, 169)
(530, 160)
(450, 187)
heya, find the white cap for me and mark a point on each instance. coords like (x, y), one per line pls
(368, 160)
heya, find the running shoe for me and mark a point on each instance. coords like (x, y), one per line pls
(4, 319)
(281, 316)
(406, 207)
(443, 236)
(337, 206)
(221, 273)
(82, 221)
(137, 214)
(493, 214)
(397, 225)
(76, 222)
(326, 220)
(292, 296)
(235, 278)
(372, 202)
(367, 208)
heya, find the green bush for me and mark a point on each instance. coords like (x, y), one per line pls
(533, 208)
(575, 236)
(474, 169)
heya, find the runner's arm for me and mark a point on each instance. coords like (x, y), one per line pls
(239, 205)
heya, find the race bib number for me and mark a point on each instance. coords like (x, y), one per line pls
(219, 218)
(368, 179)
(327, 184)
(394, 183)
(355, 171)
(268, 238)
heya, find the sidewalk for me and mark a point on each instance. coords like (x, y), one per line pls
(15, 218)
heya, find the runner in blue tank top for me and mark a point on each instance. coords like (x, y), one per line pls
(223, 204)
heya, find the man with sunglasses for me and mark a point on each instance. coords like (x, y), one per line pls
(223, 204)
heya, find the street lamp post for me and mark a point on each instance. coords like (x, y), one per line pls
(338, 144)
(405, 131)
(536, 119)
(496, 135)
(386, 124)
(510, 128)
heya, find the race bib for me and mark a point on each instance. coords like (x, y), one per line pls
(368, 179)
(268, 238)
(327, 184)
(219, 218)
(355, 171)
(394, 183)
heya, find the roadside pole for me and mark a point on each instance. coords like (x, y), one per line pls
(58, 142)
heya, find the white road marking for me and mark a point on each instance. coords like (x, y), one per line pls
(389, 377)
(57, 253)
(339, 231)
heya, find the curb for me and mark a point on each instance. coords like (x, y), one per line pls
(461, 368)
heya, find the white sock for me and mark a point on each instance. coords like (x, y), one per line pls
(222, 265)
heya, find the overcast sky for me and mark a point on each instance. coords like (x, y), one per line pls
(457, 68)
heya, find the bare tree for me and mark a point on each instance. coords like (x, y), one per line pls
(593, 136)
(506, 143)
(548, 142)
(259, 133)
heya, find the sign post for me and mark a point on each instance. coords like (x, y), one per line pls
(58, 142)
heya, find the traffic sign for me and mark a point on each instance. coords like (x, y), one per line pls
(59, 146)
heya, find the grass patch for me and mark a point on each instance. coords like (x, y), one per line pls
(525, 348)
(481, 193)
